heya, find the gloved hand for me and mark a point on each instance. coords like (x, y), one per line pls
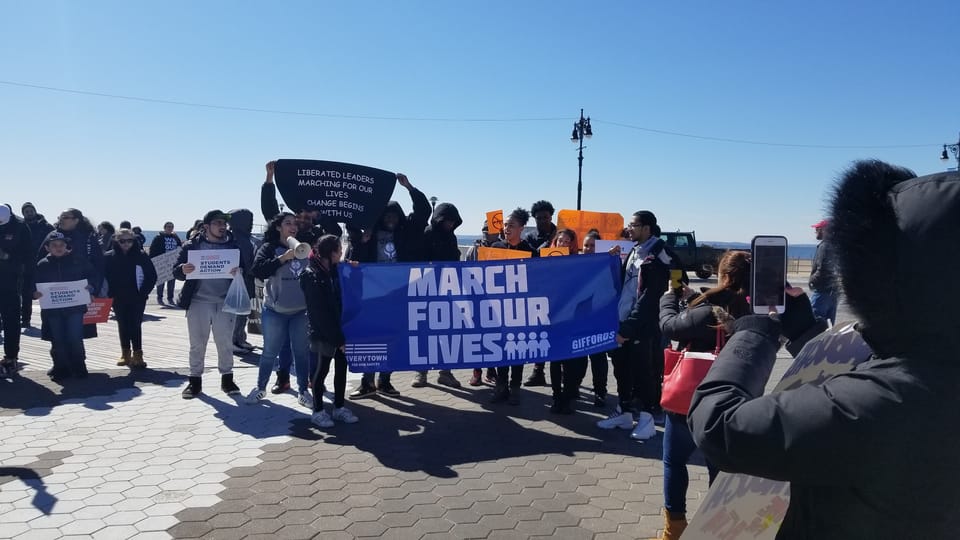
(797, 316)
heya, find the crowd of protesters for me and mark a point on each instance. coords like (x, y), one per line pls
(830, 438)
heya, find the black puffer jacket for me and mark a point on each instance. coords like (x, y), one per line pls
(16, 255)
(324, 304)
(694, 328)
(871, 453)
(70, 267)
(120, 271)
(440, 244)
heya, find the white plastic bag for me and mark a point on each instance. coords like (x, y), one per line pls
(237, 300)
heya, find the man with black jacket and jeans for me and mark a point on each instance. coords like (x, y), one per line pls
(203, 300)
(396, 237)
(39, 229)
(542, 213)
(646, 275)
(168, 240)
(15, 257)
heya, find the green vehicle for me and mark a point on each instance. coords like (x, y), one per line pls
(702, 260)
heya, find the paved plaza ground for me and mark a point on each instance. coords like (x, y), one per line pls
(121, 455)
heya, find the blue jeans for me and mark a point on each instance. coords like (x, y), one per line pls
(678, 446)
(824, 305)
(66, 339)
(280, 328)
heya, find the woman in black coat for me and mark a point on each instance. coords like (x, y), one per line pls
(130, 277)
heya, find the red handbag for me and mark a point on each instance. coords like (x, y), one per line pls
(682, 373)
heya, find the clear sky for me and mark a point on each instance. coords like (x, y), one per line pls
(879, 74)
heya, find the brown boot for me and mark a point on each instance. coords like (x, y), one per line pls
(673, 525)
(137, 361)
(124, 358)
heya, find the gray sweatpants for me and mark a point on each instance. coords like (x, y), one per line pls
(201, 318)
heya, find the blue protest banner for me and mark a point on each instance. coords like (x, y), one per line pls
(402, 317)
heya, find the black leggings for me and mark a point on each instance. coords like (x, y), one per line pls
(339, 379)
(566, 376)
(129, 318)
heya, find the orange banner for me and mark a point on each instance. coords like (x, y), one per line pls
(499, 254)
(98, 311)
(554, 251)
(610, 224)
(494, 221)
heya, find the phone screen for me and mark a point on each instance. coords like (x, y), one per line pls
(769, 265)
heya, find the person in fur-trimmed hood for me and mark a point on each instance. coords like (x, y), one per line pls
(869, 453)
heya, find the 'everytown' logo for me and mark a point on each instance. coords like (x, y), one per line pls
(592, 341)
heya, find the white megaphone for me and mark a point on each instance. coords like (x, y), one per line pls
(301, 250)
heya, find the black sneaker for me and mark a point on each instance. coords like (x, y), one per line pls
(500, 395)
(556, 407)
(228, 386)
(160, 300)
(600, 400)
(282, 384)
(194, 386)
(388, 389)
(537, 378)
(364, 391)
(514, 397)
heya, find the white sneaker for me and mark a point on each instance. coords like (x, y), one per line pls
(255, 396)
(344, 415)
(645, 427)
(321, 419)
(305, 399)
(617, 419)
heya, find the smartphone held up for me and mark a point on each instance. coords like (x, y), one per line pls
(768, 274)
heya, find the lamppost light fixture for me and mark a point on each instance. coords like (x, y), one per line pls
(581, 131)
(943, 155)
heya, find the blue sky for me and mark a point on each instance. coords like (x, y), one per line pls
(835, 74)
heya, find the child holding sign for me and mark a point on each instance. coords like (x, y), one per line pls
(61, 312)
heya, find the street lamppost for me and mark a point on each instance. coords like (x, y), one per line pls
(433, 203)
(955, 148)
(581, 129)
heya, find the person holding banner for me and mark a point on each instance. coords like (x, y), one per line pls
(130, 277)
(16, 267)
(321, 287)
(396, 237)
(284, 316)
(566, 375)
(203, 300)
(598, 361)
(646, 275)
(542, 212)
(62, 312)
(509, 377)
(486, 240)
(440, 244)
(165, 242)
(695, 329)
(869, 452)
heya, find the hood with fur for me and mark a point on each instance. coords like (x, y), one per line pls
(891, 234)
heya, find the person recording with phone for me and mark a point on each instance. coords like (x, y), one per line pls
(696, 328)
(871, 452)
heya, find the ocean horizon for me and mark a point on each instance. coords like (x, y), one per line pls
(794, 251)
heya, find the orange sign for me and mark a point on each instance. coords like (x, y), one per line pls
(499, 254)
(98, 311)
(554, 251)
(494, 222)
(610, 224)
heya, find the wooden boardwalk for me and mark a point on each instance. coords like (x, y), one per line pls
(165, 343)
